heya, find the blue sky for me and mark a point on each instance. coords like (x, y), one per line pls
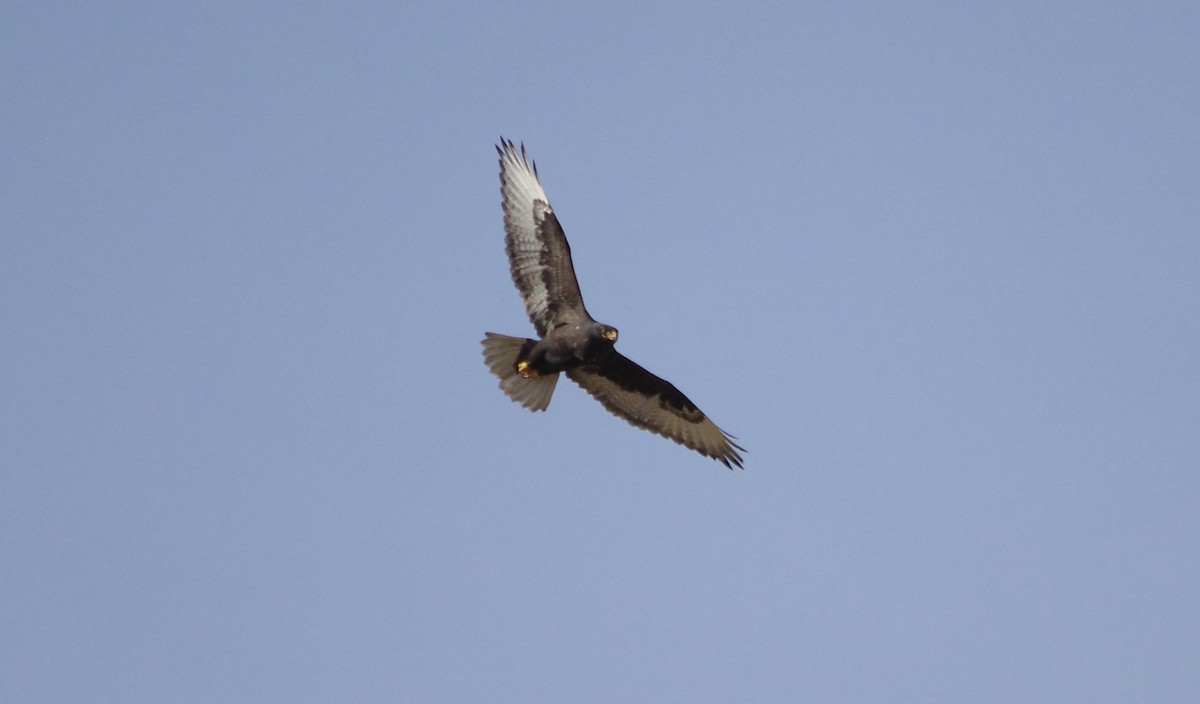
(934, 264)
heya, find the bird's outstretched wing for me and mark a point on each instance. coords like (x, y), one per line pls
(646, 401)
(538, 255)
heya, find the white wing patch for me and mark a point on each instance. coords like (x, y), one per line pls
(525, 209)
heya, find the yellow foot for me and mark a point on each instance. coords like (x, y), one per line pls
(525, 370)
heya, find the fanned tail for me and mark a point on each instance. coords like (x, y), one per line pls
(500, 353)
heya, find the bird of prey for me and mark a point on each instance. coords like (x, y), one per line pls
(571, 342)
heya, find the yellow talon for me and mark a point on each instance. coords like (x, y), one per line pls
(525, 370)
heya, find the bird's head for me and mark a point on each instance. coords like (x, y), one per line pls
(608, 332)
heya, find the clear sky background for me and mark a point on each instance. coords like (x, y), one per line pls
(936, 265)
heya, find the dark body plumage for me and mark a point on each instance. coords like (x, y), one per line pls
(571, 341)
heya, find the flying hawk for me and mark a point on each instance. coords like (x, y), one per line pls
(570, 341)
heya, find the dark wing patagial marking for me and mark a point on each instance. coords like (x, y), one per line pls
(646, 401)
(538, 255)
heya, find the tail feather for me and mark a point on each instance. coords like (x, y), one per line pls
(500, 353)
